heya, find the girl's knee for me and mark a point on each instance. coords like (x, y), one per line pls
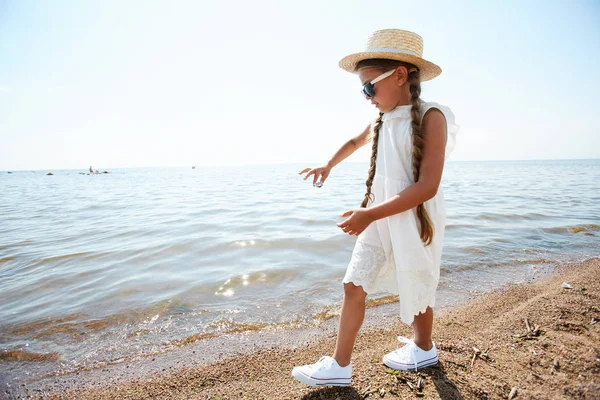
(350, 289)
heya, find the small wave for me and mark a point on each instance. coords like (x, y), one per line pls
(529, 262)
(459, 226)
(22, 355)
(6, 259)
(38, 327)
(16, 245)
(510, 263)
(228, 326)
(380, 301)
(64, 258)
(451, 267)
(328, 312)
(501, 217)
(477, 250)
(583, 229)
(77, 326)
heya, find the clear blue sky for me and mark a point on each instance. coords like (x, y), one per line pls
(178, 83)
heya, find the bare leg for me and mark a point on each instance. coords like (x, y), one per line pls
(422, 326)
(353, 314)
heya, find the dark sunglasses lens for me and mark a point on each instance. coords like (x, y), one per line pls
(368, 90)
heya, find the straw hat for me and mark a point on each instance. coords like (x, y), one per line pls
(394, 44)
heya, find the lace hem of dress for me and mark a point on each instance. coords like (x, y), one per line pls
(365, 264)
(415, 296)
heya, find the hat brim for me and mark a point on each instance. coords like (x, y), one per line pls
(428, 70)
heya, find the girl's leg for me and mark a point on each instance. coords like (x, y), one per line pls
(353, 314)
(422, 326)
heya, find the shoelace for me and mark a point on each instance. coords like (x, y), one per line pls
(413, 347)
(323, 365)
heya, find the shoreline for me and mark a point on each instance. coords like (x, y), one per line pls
(561, 359)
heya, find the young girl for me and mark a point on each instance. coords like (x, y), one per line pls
(400, 225)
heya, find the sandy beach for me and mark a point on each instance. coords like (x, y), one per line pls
(536, 340)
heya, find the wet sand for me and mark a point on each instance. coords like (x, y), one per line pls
(536, 340)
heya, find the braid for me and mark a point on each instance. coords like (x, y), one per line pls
(417, 152)
(368, 195)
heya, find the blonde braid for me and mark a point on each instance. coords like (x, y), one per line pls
(417, 151)
(369, 182)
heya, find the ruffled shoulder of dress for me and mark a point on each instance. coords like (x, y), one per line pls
(452, 126)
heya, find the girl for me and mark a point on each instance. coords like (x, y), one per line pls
(400, 225)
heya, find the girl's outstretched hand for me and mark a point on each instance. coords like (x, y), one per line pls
(319, 172)
(356, 221)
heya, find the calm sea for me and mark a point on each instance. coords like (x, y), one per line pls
(97, 269)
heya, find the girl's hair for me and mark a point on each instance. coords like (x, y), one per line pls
(417, 138)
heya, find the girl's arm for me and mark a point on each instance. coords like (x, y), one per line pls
(350, 147)
(347, 148)
(430, 173)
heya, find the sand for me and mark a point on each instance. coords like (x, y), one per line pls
(535, 340)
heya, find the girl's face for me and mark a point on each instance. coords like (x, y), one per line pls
(391, 91)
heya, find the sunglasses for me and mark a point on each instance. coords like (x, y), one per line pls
(368, 89)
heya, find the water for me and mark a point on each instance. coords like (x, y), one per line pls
(97, 269)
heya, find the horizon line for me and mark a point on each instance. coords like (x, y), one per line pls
(284, 163)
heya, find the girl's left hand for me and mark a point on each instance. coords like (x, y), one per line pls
(357, 222)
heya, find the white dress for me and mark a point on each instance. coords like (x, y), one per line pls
(389, 255)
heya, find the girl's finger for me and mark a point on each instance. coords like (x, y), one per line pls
(309, 174)
(303, 171)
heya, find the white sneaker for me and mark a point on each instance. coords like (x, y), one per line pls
(410, 356)
(325, 372)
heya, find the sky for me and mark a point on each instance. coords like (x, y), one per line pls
(177, 83)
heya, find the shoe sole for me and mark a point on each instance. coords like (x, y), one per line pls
(408, 367)
(319, 382)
